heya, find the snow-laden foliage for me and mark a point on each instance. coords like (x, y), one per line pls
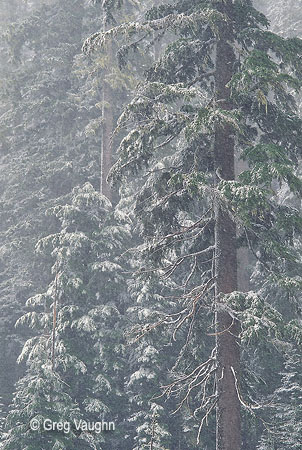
(78, 325)
(171, 128)
(285, 408)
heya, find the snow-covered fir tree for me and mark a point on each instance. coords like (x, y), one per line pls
(218, 87)
(76, 362)
(222, 85)
(286, 409)
(43, 152)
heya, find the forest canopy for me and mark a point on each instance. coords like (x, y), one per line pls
(150, 225)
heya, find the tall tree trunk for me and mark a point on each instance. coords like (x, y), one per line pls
(107, 122)
(228, 428)
(243, 253)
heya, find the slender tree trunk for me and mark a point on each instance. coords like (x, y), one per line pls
(107, 119)
(228, 431)
(243, 253)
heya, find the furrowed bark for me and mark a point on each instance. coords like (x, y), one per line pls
(228, 427)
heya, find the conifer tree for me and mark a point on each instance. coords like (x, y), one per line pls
(285, 20)
(37, 169)
(46, 147)
(285, 411)
(60, 148)
(75, 363)
(221, 84)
